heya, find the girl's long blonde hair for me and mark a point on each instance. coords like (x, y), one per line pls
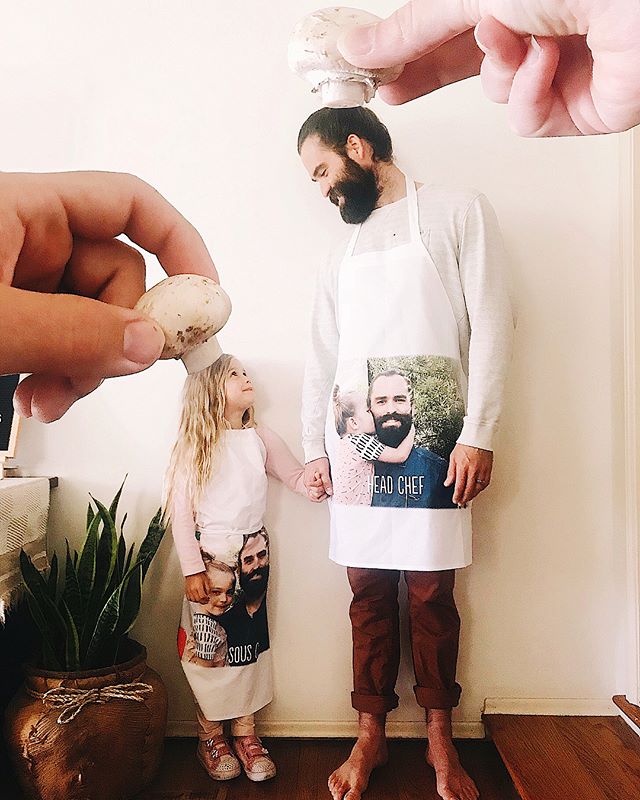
(200, 432)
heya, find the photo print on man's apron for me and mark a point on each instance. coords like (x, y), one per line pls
(230, 629)
(396, 433)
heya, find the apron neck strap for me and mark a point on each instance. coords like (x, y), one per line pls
(412, 208)
(352, 242)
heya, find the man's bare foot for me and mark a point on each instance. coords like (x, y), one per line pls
(452, 781)
(350, 780)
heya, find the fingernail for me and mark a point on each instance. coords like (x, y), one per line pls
(358, 41)
(143, 342)
(536, 45)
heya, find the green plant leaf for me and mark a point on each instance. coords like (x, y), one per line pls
(49, 658)
(119, 571)
(106, 553)
(107, 622)
(87, 561)
(130, 602)
(151, 542)
(52, 580)
(90, 515)
(72, 644)
(71, 594)
(127, 564)
(38, 590)
(122, 551)
(113, 508)
(120, 558)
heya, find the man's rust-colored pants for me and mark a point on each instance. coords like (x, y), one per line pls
(434, 626)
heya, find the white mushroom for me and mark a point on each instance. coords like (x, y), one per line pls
(190, 310)
(314, 55)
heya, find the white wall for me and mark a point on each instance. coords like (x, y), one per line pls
(197, 99)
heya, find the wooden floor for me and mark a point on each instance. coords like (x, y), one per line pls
(568, 758)
(304, 766)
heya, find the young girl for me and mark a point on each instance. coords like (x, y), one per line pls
(359, 448)
(216, 492)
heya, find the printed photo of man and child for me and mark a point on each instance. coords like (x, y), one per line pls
(396, 435)
(231, 628)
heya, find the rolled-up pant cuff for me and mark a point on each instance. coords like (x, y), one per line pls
(374, 703)
(438, 698)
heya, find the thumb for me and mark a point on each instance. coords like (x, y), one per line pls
(451, 473)
(413, 30)
(73, 336)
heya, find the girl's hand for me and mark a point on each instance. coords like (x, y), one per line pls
(314, 470)
(197, 587)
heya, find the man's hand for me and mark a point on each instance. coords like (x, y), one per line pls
(67, 284)
(315, 490)
(563, 67)
(470, 470)
(197, 587)
(317, 479)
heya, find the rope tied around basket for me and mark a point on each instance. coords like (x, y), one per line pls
(72, 700)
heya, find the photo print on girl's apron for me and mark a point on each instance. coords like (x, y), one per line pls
(230, 629)
(396, 433)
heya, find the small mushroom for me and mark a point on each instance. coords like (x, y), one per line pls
(190, 310)
(314, 55)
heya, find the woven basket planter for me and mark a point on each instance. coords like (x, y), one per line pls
(98, 736)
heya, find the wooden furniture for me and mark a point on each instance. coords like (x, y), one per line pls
(568, 758)
(24, 512)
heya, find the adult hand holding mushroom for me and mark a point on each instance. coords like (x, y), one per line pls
(314, 55)
(563, 68)
(190, 310)
(68, 285)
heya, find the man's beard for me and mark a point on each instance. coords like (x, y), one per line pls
(254, 587)
(360, 190)
(392, 436)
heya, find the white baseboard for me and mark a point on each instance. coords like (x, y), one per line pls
(553, 706)
(345, 729)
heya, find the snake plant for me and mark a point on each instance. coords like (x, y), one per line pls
(84, 615)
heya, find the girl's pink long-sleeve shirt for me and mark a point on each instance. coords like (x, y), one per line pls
(236, 499)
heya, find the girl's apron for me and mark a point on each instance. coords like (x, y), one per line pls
(394, 314)
(224, 651)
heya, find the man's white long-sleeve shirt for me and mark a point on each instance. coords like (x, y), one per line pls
(460, 230)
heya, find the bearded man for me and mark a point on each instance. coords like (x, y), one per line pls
(246, 621)
(419, 281)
